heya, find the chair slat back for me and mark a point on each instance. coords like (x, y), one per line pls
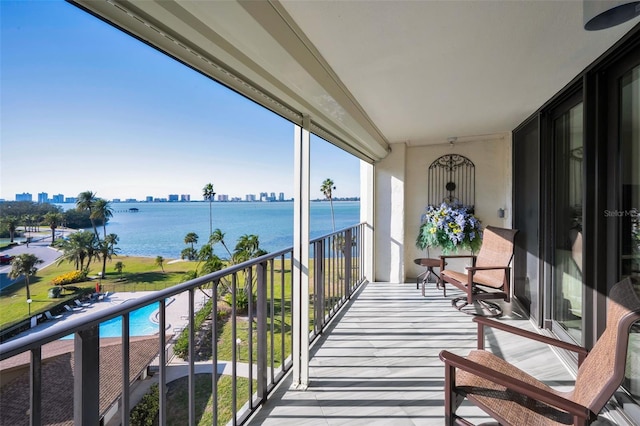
(603, 370)
(496, 250)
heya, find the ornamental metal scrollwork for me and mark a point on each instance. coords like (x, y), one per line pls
(452, 179)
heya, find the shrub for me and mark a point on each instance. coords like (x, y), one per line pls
(181, 347)
(70, 277)
(145, 413)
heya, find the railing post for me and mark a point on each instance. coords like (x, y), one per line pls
(86, 387)
(318, 286)
(35, 416)
(347, 263)
(261, 328)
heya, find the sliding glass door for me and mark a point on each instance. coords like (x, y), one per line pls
(567, 283)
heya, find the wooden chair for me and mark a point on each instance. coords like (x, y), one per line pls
(489, 275)
(513, 397)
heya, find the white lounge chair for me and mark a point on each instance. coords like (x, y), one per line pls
(73, 309)
(52, 317)
(81, 304)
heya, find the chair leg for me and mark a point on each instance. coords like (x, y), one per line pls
(478, 308)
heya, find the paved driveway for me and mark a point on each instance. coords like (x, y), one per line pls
(39, 248)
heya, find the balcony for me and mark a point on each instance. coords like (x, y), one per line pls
(373, 354)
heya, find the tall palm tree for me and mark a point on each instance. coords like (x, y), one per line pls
(327, 189)
(25, 264)
(208, 194)
(101, 210)
(84, 203)
(53, 220)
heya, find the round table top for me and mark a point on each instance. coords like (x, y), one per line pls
(427, 261)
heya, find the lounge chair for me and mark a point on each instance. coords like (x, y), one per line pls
(513, 397)
(48, 315)
(73, 309)
(81, 304)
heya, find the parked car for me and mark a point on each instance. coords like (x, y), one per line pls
(5, 259)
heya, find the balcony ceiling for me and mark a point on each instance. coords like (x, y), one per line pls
(373, 73)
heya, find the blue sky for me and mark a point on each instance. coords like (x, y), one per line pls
(84, 106)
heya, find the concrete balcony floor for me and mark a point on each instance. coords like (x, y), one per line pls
(378, 362)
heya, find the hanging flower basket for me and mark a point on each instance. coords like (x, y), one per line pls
(450, 227)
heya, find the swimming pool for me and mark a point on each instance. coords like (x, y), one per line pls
(141, 323)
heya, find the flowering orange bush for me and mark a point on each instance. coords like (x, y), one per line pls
(69, 278)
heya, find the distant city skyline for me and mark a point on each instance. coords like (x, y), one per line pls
(43, 197)
(85, 107)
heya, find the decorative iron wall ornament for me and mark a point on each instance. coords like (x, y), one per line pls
(452, 178)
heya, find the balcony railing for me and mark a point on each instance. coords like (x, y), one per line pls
(337, 270)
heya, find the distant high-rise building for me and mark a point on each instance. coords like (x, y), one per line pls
(130, 200)
(250, 197)
(115, 200)
(43, 198)
(223, 197)
(264, 196)
(185, 197)
(70, 199)
(149, 199)
(173, 197)
(58, 198)
(25, 196)
(281, 196)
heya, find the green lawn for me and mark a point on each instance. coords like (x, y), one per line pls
(139, 273)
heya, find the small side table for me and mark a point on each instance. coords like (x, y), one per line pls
(428, 263)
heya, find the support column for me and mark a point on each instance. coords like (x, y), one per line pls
(86, 389)
(300, 261)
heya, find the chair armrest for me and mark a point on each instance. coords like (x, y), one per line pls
(445, 256)
(487, 322)
(486, 268)
(514, 384)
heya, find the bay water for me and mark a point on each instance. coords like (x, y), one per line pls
(159, 229)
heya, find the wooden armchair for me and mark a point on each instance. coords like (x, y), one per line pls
(513, 397)
(488, 277)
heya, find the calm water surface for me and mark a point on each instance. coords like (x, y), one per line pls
(158, 229)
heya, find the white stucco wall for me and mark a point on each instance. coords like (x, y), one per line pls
(400, 188)
(492, 158)
(389, 213)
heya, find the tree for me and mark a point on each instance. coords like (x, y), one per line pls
(208, 194)
(327, 189)
(25, 264)
(218, 237)
(11, 222)
(102, 211)
(80, 247)
(53, 220)
(86, 202)
(119, 266)
(191, 238)
(108, 249)
(160, 262)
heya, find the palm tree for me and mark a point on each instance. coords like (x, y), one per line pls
(160, 262)
(107, 250)
(327, 189)
(84, 203)
(101, 210)
(53, 220)
(11, 222)
(25, 264)
(79, 247)
(218, 237)
(208, 194)
(119, 266)
(191, 238)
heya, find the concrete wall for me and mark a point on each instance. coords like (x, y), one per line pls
(401, 197)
